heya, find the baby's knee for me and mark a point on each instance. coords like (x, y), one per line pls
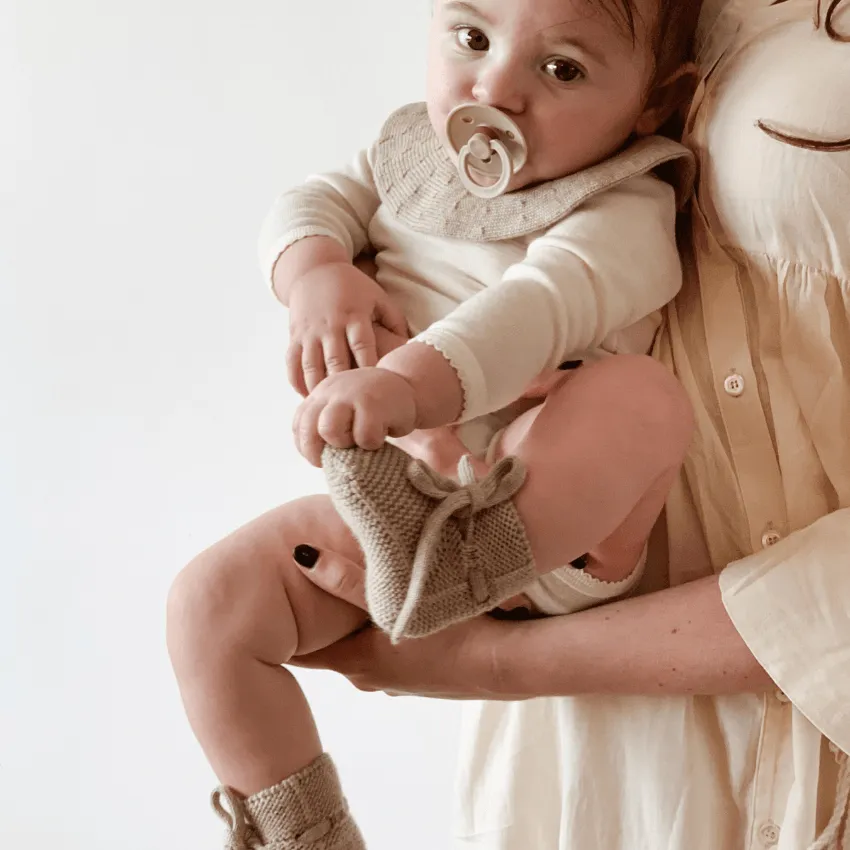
(670, 414)
(182, 609)
(651, 395)
(194, 609)
(216, 607)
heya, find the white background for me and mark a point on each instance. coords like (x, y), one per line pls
(144, 409)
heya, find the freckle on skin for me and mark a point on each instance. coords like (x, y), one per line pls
(674, 632)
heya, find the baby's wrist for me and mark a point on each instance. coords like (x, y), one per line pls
(436, 386)
(303, 257)
(410, 386)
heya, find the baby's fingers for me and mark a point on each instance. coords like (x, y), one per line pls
(312, 363)
(305, 431)
(362, 342)
(335, 425)
(336, 353)
(294, 370)
(367, 429)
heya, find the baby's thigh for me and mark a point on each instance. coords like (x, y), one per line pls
(614, 566)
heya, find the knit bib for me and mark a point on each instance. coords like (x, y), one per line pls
(418, 182)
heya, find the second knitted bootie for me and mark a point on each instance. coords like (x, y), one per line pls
(307, 811)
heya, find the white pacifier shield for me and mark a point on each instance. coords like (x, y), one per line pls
(488, 141)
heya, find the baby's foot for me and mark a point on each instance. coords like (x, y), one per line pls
(437, 552)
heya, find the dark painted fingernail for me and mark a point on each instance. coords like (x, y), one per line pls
(306, 556)
(580, 563)
(570, 364)
(512, 614)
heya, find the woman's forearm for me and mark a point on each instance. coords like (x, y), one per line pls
(678, 641)
(675, 641)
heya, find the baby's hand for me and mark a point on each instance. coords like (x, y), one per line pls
(355, 408)
(332, 313)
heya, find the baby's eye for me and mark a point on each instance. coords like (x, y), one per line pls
(472, 38)
(563, 70)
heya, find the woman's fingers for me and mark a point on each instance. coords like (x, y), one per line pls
(337, 575)
(444, 666)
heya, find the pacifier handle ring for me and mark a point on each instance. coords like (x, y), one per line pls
(498, 188)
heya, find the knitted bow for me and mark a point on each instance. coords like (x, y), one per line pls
(242, 836)
(463, 499)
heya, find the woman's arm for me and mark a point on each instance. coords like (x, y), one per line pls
(676, 641)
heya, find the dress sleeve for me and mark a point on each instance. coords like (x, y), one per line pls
(607, 266)
(790, 603)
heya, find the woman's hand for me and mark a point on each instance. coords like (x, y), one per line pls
(458, 663)
(652, 644)
(454, 664)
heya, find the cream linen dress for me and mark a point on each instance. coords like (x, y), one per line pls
(760, 338)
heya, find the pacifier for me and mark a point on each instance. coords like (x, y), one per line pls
(490, 148)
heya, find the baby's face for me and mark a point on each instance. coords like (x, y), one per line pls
(566, 72)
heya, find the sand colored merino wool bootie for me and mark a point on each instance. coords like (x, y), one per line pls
(437, 551)
(307, 811)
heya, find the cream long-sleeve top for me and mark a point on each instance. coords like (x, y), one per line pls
(760, 338)
(499, 295)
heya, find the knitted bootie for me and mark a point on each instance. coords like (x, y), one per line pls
(307, 811)
(437, 552)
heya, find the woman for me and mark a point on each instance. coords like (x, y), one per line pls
(723, 722)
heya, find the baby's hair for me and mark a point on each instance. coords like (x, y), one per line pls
(672, 38)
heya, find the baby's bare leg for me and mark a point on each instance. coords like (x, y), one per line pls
(440, 448)
(601, 452)
(616, 431)
(628, 415)
(236, 613)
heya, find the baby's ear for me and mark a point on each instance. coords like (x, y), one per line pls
(667, 98)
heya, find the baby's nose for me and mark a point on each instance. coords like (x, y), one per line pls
(500, 86)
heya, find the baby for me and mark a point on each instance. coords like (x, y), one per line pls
(519, 220)
(517, 223)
